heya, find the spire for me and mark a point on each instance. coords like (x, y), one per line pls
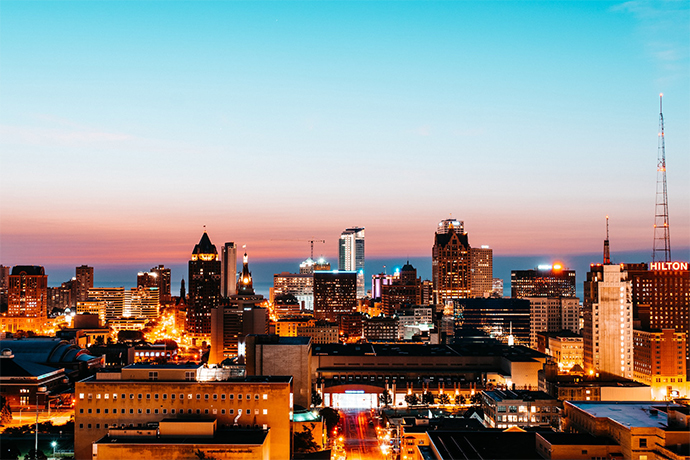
(607, 254)
(244, 285)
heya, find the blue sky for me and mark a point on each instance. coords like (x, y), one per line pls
(127, 126)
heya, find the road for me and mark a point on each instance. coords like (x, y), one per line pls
(359, 438)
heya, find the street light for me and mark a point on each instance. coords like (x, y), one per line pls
(54, 444)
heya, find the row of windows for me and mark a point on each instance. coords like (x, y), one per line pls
(173, 396)
(140, 425)
(180, 411)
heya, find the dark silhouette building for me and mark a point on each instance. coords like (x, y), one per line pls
(335, 294)
(204, 287)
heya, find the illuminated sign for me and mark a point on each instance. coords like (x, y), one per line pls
(354, 392)
(544, 267)
(668, 266)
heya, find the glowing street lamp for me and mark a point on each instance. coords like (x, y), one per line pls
(54, 444)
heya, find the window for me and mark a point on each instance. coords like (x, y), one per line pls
(198, 396)
(98, 396)
(189, 376)
(153, 375)
(222, 411)
(131, 411)
(81, 411)
(172, 411)
(139, 411)
(81, 425)
(140, 396)
(231, 396)
(165, 396)
(206, 411)
(148, 395)
(98, 425)
(215, 396)
(189, 396)
(155, 396)
(98, 411)
(89, 411)
(182, 397)
(155, 411)
(198, 411)
(88, 426)
(265, 411)
(256, 397)
(172, 396)
(643, 442)
(265, 396)
(249, 412)
(239, 397)
(249, 397)
(106, 396)
(222, 397)
(148, 411)
(231, 411)
(206, 396)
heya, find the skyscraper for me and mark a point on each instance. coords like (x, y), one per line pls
(543, 281)
(482, 271)
(351, 255)
(608, 329)
(450, 264)
(163, 282)
(28, 292)
(334, 294)
(84, 282)
(228, 281)
(204, 287)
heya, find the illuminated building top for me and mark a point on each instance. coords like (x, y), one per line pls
(244, 284)
(668, 266)
(205, 250)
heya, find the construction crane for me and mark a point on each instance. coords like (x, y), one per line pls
(311, 255)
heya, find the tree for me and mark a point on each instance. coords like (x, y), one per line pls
(5, 411)
(33, 455)
(9, 450)
(476, 399)
(304, 440)
(385, 398)
(316, 398)
(428, 398)
(412, 399)
(330, 416)
(459, 399)
(444, 399)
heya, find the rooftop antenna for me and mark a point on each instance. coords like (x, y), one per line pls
(661, 250)
(607, 254)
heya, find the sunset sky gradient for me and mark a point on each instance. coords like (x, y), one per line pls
(125, 127)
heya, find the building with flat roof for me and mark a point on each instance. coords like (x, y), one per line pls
(543, 281)
(450, 262)
(335, 294)
(143, 394)
(645, 430)
(28, 292)
(498, 318)
(482, 271)
(553, 314)
(520, 408)
(204, 287)
(660, 362)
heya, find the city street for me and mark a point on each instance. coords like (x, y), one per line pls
(359, 437)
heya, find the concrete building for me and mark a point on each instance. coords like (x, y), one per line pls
(351, 255)
(273, 355)
(405, 289)
(228, 279)
(163, 276)
(608, 344)
(659, 358)
(144, 395)
(335, 294)
(643, 430)
(28, 292)
(553, 314)
(230, 325)
(142, 302)
(320, 331)
(520, 408)
(300, 285)
(543, 281)
(113, 300)
(174, 438)
(482, 271)
(567, 350)
(83, 282)
(381, 329)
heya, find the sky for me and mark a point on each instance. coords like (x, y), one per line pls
(128, 126)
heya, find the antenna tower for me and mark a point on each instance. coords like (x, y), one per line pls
(661, 251)
(607, 253)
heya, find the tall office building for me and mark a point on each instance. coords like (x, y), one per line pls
(142, 302)
(404, 290)
(450, 264)
(335, 294)
(28, 292)
(608, 329)
(83, 282)
(498, 318)
(482, 271)
(553, 314)
(113, 300)
(543, 281)
(300, 285)
(228, 280)
(351, 255)
(147, 280)
(164, 277)
(204, 287)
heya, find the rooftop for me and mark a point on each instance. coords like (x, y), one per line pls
(520, 395)
(484, 444)
(225, 436)
(628, 413)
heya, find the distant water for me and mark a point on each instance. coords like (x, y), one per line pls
(263, 270)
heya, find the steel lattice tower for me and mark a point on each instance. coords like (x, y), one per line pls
(662, 237)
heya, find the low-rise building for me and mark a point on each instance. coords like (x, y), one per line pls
(143, 394)
(643, 430)
(520, 408)
(660, 362)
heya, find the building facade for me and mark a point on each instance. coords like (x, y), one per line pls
(335, 294)
(608, 328)
(482, 271)
(28, 292)
(351, 255)
(543, 281)
(204, 287)
(660, 362)
(553, 314)
(450, 262)
(144, 394)
(83, 282)
(228, 280)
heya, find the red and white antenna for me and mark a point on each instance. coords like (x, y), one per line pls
(661, 251)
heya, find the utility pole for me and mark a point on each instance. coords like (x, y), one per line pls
(661, 251)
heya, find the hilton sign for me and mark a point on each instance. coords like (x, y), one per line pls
(668, 266)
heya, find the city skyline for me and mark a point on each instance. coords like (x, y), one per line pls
(127, 127)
